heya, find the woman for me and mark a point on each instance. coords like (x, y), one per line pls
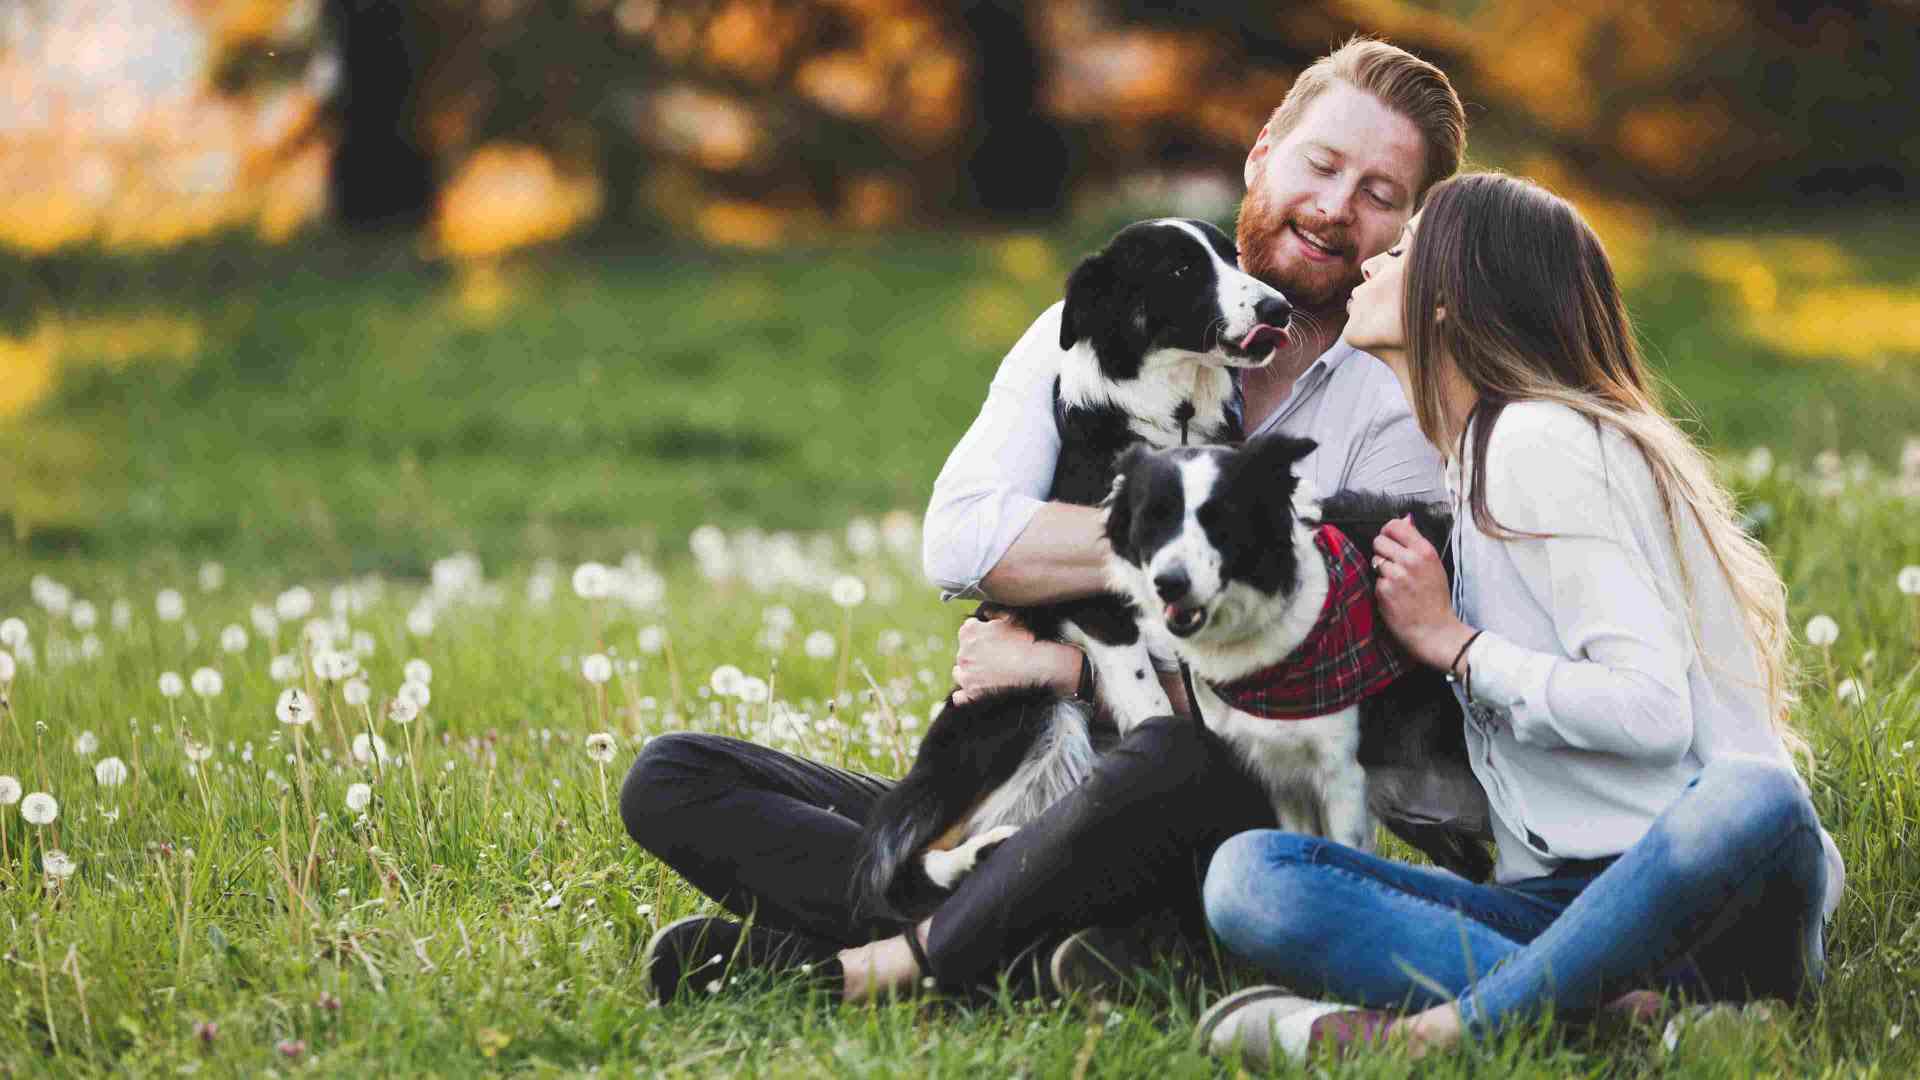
(1620, 646)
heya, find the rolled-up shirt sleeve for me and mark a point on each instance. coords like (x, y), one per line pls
(1620, 683)
(999, 474)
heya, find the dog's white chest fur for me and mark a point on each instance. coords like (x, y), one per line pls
(1310, 767)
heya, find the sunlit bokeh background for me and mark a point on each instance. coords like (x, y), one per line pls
(514, 271)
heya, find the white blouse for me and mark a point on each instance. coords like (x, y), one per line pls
(1594, 705)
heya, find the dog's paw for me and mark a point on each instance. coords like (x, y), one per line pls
(946, 868)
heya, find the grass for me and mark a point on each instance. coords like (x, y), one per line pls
(348, 415)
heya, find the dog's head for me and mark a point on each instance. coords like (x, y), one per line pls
(1172, 284)
(1205, 538)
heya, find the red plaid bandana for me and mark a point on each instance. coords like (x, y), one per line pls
(1344, 658)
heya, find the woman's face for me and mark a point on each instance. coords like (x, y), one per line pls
(1373, 312)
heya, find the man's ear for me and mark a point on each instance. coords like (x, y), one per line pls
(1119, 504)
(1257, 156)
(1088, 289)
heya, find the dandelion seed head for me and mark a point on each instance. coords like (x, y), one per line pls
(264, 620)
(652, 639)
(402, 711)
(198, 752)
(212, 576)
(1909, 580)
(84, 616)
(110, 772)
(592, 581)
(1850, 692)
(358, 796)
(207, 682)
(725, 680)
(596, 668)
(9, 790)
(848, 591)
(58, 864)
(368, 749)
(13, 633)
(284, 668)
(333, 665)
(86, 744)
(39, 808)
(600, 746)
(1822, 631)
(752, 690)
(293, 604)
(415, 694)
(293, 707)
(171, 684)
(417, 670)
(233, 638)
(713, 987)
(169, 605)
(420, 620)
(356, 692)
(819, 645)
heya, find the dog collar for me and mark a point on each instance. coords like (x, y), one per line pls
(1347, 656)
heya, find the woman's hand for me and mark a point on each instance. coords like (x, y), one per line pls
(1411, 593)
(997, 653)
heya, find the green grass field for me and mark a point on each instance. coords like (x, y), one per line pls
(342, 419)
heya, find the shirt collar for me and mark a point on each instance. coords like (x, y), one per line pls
(1309, 379)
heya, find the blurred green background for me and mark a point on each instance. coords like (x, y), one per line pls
(345, 285)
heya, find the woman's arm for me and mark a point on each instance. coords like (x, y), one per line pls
(1619, 683)
(990, 532)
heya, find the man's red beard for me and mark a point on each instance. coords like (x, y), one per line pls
(1260, 230)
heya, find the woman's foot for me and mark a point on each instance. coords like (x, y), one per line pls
(701, 953)
(1267, 1023)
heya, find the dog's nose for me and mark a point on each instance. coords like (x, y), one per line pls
(1273, 311)
(1171, 585)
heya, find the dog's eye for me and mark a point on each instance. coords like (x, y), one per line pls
(1180, 271)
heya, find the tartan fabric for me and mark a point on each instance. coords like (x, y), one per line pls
(1345, 658)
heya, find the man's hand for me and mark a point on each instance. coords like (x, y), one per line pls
(998, 653)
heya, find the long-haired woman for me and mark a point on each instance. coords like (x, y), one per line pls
(1620, 646)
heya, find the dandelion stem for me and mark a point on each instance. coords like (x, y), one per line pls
(846, 654)
(673, 671)
(46, 991)
(413, 769)
(186, 907)
(72, 966)
(606, 810)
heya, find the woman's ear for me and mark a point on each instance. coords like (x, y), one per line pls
(1440, 313)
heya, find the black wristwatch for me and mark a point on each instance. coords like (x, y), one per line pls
(1085, 693)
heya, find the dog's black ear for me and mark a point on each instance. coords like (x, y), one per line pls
(1089, 288)
(1271, 456)
(1119, 504)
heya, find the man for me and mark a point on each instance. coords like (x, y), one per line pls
(1333, 176)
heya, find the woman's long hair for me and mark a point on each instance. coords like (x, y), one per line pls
(1532, 312)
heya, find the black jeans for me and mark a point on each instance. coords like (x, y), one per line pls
(766, 832)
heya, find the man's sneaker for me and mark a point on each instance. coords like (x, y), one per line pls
(1098, 961)
(701, 953)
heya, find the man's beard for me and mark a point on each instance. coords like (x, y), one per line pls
(1259, 231)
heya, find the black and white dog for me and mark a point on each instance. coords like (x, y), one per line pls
(1151, 325)
(1267, 593)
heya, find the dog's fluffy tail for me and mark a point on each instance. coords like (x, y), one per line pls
(999, 760)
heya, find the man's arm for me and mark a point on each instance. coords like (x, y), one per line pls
(990, 532)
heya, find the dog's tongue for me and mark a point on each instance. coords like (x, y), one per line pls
(1271, 337)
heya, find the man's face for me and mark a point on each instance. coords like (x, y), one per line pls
(1328, 195)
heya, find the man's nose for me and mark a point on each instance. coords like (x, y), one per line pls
(1171, 584)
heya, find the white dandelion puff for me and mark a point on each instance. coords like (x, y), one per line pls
(370, 748)
(171, 684)
(233, 638)
(169, 605)
(84, 615)
(402, 711)
(1909, 580)
(9, 790)
(293, 604)
(591, 581)
(7, 668)
(725, 680)
(198, 752)
(420, 620)
(415, 694)
(332, 665)
(58, 864)
(212, 576)
(1822, 631)
(596, 668)
(208, 683)
(86, 743)
(752, 690)
(294, 708)
(264, 620)
(417, 670)
(356, 692)
(652, 639)
(362, 644)
(39, 808)
(13, 633)
(848, 591)
(284, 668)
(778, 617)
(110, 772)
(863, 537)
(600, 746)
(819, 645)
(1850, 692)
(358, 796)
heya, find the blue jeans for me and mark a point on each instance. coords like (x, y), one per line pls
(1720, 899)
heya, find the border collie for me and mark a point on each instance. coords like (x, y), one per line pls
(1150, 326)
(1266, 593)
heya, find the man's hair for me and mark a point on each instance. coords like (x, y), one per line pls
(1402, 82)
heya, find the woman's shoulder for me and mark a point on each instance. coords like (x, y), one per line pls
(1535, 434)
